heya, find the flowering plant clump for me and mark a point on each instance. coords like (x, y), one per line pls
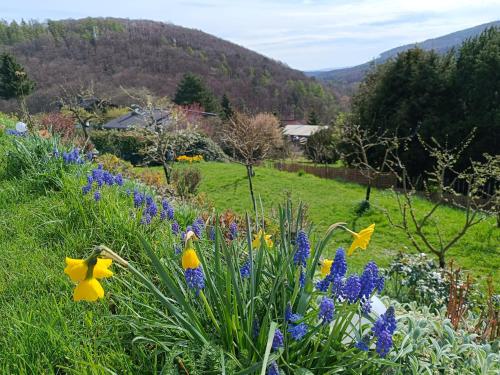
(416, 277)
(272, 310)
(189, 159)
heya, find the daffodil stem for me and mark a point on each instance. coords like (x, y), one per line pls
(209, 310)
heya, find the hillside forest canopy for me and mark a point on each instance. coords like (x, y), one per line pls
(136, 54)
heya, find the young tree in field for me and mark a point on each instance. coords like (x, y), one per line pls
(420, 225)
(252, 139)
(15, 83)
(192, 89)
(368, 151)
(163, 120)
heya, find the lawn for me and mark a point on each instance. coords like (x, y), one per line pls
(331, 201)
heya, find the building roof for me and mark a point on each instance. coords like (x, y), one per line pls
(136, 119)
(301, 130)
(292, 122)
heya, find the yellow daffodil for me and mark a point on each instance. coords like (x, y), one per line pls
(257, 237)
(361, 239)
(326, 264)
(88, 290)
(86, 272)
(77, 269)
(190, 159)
(190, 259)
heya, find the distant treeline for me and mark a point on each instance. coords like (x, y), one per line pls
(134, 54)
(444, 97)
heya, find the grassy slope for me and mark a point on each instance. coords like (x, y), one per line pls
(43, 330)
(331, 201)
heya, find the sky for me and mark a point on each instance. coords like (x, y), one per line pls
(304, 34)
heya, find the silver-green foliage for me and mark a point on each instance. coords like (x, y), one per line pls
(426, 343)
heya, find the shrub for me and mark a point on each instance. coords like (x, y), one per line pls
(191, 143)
(59, 124)
(321, 147)
(115, 164)
(415, 277)
(128, 145)
(186, 181)
(112, 113)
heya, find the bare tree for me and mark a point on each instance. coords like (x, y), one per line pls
(441, 187)
(162, 119)
(83, 105)
(369, 152)
(252, 138)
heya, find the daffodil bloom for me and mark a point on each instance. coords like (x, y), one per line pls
(190, 259)
(86, 272)
(77, 269)
(326, 264)
(257, 237)
(361, 239)
(88, 290)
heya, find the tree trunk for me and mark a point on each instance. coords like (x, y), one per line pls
(368, 191)
(442, 263)
(167, 170)
(250, 174)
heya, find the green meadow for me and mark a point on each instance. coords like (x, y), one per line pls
(330, 201)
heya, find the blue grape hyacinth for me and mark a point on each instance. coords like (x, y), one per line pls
(352, 288)
(339, 266)
(326, 310)
(175, 227)
(245, 269)
(299, 331)
(303, 249)
(278, 339)
(383, 329)
(273, 369)
(195, 279)
(233, 230)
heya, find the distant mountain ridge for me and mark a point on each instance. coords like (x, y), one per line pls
(440, 44)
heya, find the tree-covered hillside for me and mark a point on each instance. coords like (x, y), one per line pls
(133, 54)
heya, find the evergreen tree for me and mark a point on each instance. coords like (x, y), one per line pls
(412, 93)
(227, 110)
(477, 80)
(14, 82)
(191, 89)
(313, 118)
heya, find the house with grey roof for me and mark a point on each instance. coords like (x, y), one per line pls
(299, 133)
(138, 119)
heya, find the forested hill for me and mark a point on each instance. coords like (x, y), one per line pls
(134, 54)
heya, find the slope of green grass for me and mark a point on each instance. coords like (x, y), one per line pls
(331, 201)
(43, 330)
